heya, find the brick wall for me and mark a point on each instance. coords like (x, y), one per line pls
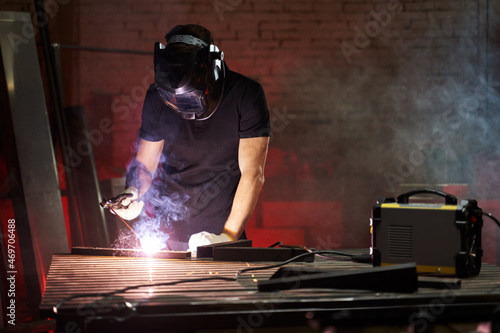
(352, 87)
(366, 96)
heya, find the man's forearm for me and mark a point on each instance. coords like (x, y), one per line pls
(139, 177)
(251, 159)
(143, 168)
(245, 199)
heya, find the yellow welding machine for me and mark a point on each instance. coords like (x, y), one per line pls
(439, 238)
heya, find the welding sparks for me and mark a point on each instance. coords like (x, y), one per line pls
(149, 238)
(151, 244)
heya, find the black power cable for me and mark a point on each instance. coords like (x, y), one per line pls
(492, 217)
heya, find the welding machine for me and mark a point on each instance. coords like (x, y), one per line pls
(439, 238)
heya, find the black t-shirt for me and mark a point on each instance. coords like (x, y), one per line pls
(196, 181)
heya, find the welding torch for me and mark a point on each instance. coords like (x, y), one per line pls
(126, 205)
(129, 211)
(116, 202)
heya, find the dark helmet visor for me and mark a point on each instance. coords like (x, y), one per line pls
(189, 104)
(186, 81)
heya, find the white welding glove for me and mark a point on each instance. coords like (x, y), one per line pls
(206, 238)
(128, 208)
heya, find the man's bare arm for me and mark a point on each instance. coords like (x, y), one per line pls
(252, 155)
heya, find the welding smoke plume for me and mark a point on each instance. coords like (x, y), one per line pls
(426, 113)
(153, 226)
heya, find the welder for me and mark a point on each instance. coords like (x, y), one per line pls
(202, 147)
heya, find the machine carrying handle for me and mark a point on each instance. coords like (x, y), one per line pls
(449, 199)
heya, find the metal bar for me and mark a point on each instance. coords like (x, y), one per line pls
(103, 49)
(423, 281)
(57, 102)
(398, 278)
(100, 251)
(86, 185)
(258, 254)
(439, 283)
(33, 174)
(62, 137)
(207, 251)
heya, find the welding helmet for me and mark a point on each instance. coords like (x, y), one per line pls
(189, 82)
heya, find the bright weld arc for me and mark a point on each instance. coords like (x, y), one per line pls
(148, 249)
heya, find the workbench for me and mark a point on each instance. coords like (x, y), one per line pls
(229, 304)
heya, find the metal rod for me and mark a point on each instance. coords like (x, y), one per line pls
(114, 212)
(103, 49)
(57, 100)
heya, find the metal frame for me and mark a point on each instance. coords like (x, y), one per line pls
(30, 156)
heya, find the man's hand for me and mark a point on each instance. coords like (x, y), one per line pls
(206, 238)
(126, 204)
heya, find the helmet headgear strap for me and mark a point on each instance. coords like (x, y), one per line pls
(186, 39)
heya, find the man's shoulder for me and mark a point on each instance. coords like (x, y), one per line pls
(242, 81)
(152, 88)
(152, 95)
